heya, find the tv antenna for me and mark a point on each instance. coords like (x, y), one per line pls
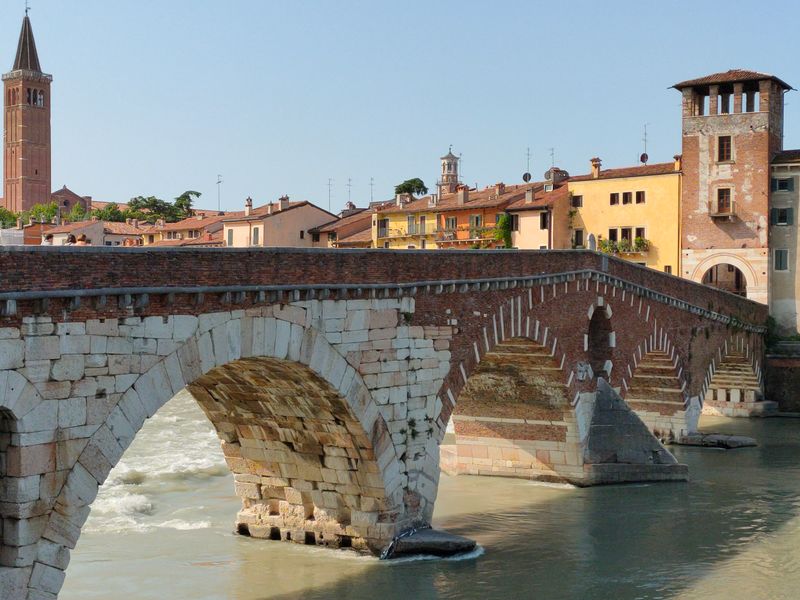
(526, 176)
(219, 193)
(330, 187)
(371, 188)
(27, 8)
(643, 158)
(349, 188)
(552, 157)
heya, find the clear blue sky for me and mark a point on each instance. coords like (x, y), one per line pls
(153, 97)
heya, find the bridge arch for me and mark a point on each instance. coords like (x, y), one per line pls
(328, 476)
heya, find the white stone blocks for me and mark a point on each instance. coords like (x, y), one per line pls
(174, 374)
(38, 347)
(184, 327)
(72, 412)
(154, 388)
(145, 346)
(119, 345)
(134, 410)
(205, 349)
(189, 359)
(102, 327)
(46, 578)
(75, 343)
(68, 368)
(282, 337)
(44, 417)
(158, 327)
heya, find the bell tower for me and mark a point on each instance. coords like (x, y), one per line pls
(26, 118)
(449, 177)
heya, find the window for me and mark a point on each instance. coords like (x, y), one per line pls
(422, 243)
(640, 197)
(315, 237)
(724, 201)
(781, 216)
(412, 225)
(543, 220)
(783, 185)
(542, 247)
(614, 198)
(475, 221)
(724, 149)
(151, 238)
(781, 260)
(577, 201)
(579, 238)
(548, 187)
(302, 234)
(449, 222)
(230, 237)
(385, 244)
(640, 232)
(255, 236)
(668, 269)
(627, 197)
(626, 233)
(612, 235)
(514, 222)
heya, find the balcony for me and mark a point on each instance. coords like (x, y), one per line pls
(638, 246)
(722, 210)
(400, 232)
(465, 233)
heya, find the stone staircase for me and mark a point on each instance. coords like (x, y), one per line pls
(655, 394)
(735, 391)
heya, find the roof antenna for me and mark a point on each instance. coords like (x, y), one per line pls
(552, 157)
(526, 176)
(643, 158)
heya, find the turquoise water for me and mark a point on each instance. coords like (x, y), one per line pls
(162, 528)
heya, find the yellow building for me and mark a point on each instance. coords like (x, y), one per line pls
(407, 223)
(193, 228)
(633, 212)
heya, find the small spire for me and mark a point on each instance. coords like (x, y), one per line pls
(27, 58)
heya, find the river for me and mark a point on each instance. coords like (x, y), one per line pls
(162, 524)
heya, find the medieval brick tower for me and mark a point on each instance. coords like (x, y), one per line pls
(732, 128)
(26, 147)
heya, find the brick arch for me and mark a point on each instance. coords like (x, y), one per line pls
(231, 355)
(722, 258)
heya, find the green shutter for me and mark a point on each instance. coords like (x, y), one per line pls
(791, 184)
(773, 216)
(789, 215)
(773, 184)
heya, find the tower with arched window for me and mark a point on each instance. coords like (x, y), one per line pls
(448, 179)
(26, 118)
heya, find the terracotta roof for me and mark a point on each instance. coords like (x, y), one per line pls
(193, 223)
(541, 199)
(485, 198)
(167, 243)
(213, 239)
(98, 205)
(262, 212)
(27, 57)
(362, 214)
(787, 156)
(357, 238)
(70, 227)
(111, 227)
(638, 171)
(732, 76)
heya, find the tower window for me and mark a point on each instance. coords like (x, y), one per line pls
(614, 198)
(724, 149)
(781, 260)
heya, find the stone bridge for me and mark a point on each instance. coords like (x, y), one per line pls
(331, 378)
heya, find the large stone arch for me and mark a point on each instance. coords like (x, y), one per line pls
(365, 508)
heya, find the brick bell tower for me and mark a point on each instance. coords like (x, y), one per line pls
(732, 128)
(26, 143)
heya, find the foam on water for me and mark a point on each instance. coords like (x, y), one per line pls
(160, 462)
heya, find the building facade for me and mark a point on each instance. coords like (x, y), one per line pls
(407, 223)
(784, 298)
(26, 118)
(632, 212)
(277, 224)
(732, 127)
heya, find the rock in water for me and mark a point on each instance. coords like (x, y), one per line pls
(432, 542)
(716, 440)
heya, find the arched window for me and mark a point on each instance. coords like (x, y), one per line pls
(29, 96)
(40, 98)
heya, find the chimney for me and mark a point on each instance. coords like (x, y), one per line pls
(678, 161)
(201, 216)
(19, 223)
(462, 196)
(135, 223)
(284, 202)
(94, 219)
(499, 188)
(127, 221)
(248, 206)
(596, 162)
(160, 223)
(529, 196)
(433, 200)
(269, 208)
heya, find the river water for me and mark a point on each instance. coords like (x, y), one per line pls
(162, 528)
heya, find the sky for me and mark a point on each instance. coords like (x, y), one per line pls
(155, 97)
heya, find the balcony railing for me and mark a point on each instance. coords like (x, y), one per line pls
(465, 233)
(397, 232)
(721, 210)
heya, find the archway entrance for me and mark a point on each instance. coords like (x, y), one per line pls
(726, 277)
(599, 343)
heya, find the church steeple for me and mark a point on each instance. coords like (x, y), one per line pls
(27, 58)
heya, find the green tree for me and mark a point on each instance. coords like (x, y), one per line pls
(502, 231)
(7, 218)
(183, 203)
(411, 186)
(111, 212)
(77, 213)
(151, 209)
(43, 213)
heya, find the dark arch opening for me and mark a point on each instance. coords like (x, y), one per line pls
(599, 346)
(726, 277)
